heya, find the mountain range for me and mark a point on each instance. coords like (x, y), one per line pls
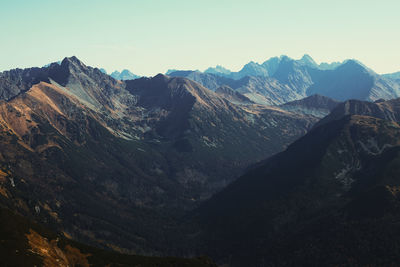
(123, 75)
(282, 79)
(287, 163)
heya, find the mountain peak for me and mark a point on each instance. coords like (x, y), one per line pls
(218, 70)
(161, 76)
(253, 68)
(308, 60)
(72, 59)
(125, 74)
(73, 64)
(353, 64)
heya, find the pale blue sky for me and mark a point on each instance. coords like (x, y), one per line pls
(151, 36)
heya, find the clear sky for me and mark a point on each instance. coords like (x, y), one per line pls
(151, 36)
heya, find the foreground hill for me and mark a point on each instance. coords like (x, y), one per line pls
(24, 243)
(330, 199)
(116, 164)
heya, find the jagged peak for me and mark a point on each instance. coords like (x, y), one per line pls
(72, 59)
(272, 59)
(218, 69)
(126, 71)
(73, 63)
(285, 58)
(251, 64)
(307, 59)
(161, 76)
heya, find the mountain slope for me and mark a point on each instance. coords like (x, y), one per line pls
(232, 95)
(27, 244)
(316, 105)
(332, 193)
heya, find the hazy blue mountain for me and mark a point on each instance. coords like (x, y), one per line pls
(295, 74)
(268, 68)
(124, 75)
(394, 76)
(250, 69)
(329, 66)
(271, 65)
(282, 79)
(219, 70)
(352, 80)
(171, 71)
(47, 65)
(103, 71)
(308, 61)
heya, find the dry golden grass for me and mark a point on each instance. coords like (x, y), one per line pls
(53, 255)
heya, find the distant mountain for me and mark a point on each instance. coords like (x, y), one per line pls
(296, 75)
(329, 66)
(315, 105)
(394, 76)
(280, 80)
(124, 75)
(308, 61)
(250, 69)
(333, 192)
(217, 70)
(352, 80)
(268, 68)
